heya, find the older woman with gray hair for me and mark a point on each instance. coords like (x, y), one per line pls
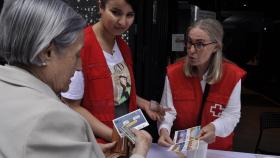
(40, 41)
(204, 90)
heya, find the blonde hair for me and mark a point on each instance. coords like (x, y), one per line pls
(214, 29)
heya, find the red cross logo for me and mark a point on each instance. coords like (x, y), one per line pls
(216, 110)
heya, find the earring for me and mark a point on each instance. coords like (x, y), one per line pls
(44, 64)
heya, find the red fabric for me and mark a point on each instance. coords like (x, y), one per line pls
(187, 96)
(98, 93)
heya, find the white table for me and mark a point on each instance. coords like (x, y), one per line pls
(157, 151)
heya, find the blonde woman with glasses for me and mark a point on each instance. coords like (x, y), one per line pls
(204, 89)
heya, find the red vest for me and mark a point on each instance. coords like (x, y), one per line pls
(187, 97)
(98, 92)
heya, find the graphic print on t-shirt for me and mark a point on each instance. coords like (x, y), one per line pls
(121, 82)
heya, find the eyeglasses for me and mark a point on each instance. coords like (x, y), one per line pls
(197, 45)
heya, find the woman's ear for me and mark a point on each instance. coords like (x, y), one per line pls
(100, 7)
(217, 47)
(47, 54)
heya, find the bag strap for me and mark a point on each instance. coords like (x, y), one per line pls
(205, 94)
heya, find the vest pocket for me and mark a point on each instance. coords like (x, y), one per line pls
(186, 111)
(98, 82)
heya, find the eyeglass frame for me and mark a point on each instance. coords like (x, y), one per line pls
(197, 45)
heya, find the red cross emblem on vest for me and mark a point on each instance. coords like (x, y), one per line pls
(216, 110)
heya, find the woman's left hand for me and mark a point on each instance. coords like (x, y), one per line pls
(207, 133)
(156, 113)
(152, 114)
(106, 148)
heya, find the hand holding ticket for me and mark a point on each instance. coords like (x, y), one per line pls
(186, 139)
(129, 134)
(134, 119)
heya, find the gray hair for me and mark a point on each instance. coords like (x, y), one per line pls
(215, 31)
(29, 26)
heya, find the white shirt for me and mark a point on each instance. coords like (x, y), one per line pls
(224, 125)
(76, 87)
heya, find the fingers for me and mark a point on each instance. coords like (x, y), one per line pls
(154, 115)
(106, 148)
(201, 133)
(143, 142)
(165, 141)
(156, 111)
(135, 131)
(161, 110)
(142, 134)
(209, 138)
(142, 137)
(154, 105)
(109, 145)
(147, 135)
(207, 133)
(169, 140)
(159, 117)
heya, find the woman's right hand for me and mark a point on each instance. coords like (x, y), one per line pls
(164, 139)
(142, 143)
